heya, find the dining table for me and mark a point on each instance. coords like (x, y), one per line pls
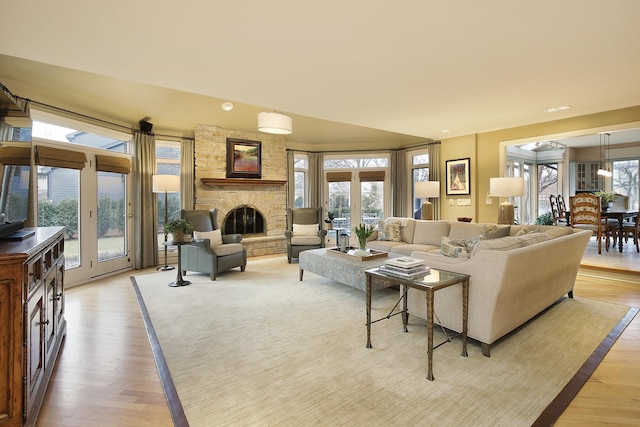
(618, 214)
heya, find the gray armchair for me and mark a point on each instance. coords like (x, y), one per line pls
(200, 256)
(299, 241)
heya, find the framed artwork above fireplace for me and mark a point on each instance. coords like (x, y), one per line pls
(244, 158)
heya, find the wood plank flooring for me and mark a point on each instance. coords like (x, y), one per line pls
(106, 376)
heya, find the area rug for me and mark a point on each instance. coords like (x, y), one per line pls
(262, 348)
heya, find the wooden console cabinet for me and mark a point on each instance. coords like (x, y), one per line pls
(32, 323)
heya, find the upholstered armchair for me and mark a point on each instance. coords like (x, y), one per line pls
(211, 252)
(304, 231)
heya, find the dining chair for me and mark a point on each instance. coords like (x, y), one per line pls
(585, 215)
(556, 210)
(630, 229)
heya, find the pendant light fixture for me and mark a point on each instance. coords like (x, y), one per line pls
(276, 123)
(604, 147)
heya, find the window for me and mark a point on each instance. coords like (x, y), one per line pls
(547, 185)
(357, 189)
(301, 169)
(625, 179)
(167, 163)
(419, 173)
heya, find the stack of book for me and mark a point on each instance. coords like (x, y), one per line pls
(405, 267)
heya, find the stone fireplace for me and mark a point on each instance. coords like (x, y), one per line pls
(254, 207)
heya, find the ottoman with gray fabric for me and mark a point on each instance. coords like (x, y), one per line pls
(341, 268)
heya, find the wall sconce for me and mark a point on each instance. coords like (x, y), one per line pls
(506, 187)
(427, 189)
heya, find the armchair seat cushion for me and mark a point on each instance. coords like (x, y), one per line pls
(227, 249)
(305, 240)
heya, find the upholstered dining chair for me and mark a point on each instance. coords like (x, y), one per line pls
(304, 231)
(585, 215)
(211, 252)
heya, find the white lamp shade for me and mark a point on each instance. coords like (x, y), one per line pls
(506, 187)
(168, 183)
(428, 189)
(276, 123)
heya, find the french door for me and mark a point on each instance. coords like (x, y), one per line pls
(93, 206)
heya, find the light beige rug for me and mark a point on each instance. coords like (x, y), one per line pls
(263, 348)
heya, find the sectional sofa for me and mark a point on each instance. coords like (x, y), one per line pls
(516, 271)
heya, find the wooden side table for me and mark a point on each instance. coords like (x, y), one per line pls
(179, 280)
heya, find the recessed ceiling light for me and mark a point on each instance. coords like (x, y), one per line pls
(554, 109)
(227, 106)
(445, 131)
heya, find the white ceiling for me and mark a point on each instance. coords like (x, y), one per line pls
(347, 71)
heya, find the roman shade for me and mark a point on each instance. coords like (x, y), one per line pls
(59, 158)
(113, 164)
(338, 176)
(16, 156)
(368, 176)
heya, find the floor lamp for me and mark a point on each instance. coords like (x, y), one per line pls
(427, 189)
(166, 184)
(506, 187)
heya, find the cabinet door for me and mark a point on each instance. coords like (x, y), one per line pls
(50, 311)
(35, 346)
(59, 297)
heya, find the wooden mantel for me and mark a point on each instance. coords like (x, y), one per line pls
(242, 181)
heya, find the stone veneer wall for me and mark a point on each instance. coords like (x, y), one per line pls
(271, 201)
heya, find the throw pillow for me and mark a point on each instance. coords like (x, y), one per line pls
(215, 236)
(465, 246)
(492, 231)
(305, 229)
(392, 232)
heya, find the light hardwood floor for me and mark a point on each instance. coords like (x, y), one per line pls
(106, 374)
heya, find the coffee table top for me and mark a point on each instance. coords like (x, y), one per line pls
(435, 279)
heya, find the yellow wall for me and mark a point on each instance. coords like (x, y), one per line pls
(484, 151)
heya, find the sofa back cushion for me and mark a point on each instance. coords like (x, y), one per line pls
(465, 230)
(429, 232)
(502, 244)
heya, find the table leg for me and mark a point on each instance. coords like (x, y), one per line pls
(405, 310)
(368, 298)
(465, 315)
(620, 233)
(179, 280)
(429, 295)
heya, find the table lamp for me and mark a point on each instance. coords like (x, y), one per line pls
(506, 187)
(166, 184)
(427, 189)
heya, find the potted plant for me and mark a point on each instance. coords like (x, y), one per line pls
(608, 197)
(363, 232)
(178, 228)
(329, 220)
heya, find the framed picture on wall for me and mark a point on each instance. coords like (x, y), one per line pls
(458, 177)
(244, 158)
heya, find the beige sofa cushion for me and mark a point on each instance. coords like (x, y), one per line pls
(429, 232)
(465, 230)
(503, 244)
(558, 232)
(533, 238)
